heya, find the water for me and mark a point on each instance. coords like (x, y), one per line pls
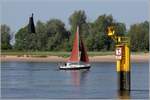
(43, 80)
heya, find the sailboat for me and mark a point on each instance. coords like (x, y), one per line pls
(79, 58)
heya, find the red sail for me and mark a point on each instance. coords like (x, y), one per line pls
(84, 56)
(75, 50)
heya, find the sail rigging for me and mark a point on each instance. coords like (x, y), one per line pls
(75, 51)
(74, 62)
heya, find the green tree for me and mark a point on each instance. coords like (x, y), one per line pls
(42, 36)
(25, 40)
(21, 39)
(98, 31)
(26, 37)
(98, 38)
(57, 34)
(53, 36)
(5, 37)
(120, 28)
(78, 18)
(139, 34)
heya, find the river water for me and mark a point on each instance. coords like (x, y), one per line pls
(36, 80)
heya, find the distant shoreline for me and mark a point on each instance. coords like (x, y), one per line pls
(103, 58)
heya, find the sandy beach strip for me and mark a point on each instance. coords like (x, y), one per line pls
(106, 58)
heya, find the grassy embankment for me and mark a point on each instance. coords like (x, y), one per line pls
(60, 54)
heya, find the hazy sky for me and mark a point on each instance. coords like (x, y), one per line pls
(15, 13)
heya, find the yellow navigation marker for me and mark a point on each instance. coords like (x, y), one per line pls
(123, 59)
(110, 31)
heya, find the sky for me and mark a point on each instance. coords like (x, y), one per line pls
(16, 13)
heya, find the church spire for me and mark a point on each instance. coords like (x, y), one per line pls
(31, 27)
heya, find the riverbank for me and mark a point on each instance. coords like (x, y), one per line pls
(103, 58)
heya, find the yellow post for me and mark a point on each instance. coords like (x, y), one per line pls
(123, 59)
(123, 67)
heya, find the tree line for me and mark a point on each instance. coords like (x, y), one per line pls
(54, 36)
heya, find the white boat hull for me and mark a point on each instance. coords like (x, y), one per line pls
(74, 66)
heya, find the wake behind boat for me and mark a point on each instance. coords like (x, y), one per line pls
(74, 61)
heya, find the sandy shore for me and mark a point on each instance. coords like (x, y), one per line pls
(107, 58)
